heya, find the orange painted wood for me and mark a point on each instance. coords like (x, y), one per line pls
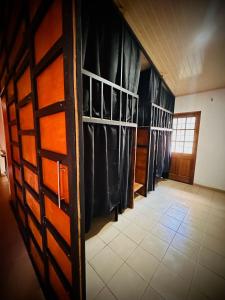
(24, 84)
(35, 231)
(17, 44)
(16, 154)
(58, 218)
(137, 186)
(37, 259)
(12, 112)
(57, 284)
(142, 136)
(141, 165)
(34, 205)
(19, 194)
(61, 258)
(53, 133)
(10, 89)
(31, 178)
(49, 31)
(49, 171)
(18, 175)
(50, 83)
(29, 149)
(21, 215)
(26, 117)
(14, 133)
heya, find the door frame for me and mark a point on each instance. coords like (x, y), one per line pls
(197, 115)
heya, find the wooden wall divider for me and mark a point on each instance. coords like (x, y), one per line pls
(38, 82)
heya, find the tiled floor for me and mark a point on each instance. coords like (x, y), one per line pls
(17, 278)
(170, 246)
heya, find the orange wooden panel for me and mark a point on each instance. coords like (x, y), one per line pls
(17, 44)
(35, 231)
(58, 218)
(33, 7)
(24, 84)
(49, 31)
(50, 83)
(18, 175)
(49, 170)
(142, 136)
(53, 133)
(31, 178)
(61, 258)
(29, 149)
(21, 215)
(12, 112)
(19, 194)
(37, 259)
(14, 133)
(10, 89)
(57, 284)
(34, 205)
(16, 154)
(26, 117)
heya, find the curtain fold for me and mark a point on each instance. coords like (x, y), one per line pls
(108, 166)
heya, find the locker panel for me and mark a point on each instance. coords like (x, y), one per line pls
(50, 83)
(26, 117)
(31, 178)
(50, 178)
(58, 219)
(14, 133)
(57, 284)
(24, 85)
(16, 154)
(54, 125)
(61, 258)
(35, 231)
(37, 259)
(12, 112)
(49, 31)
(18, 175)
(33, 205)
(29, 149)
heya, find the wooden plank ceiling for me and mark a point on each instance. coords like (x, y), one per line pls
(185, 40)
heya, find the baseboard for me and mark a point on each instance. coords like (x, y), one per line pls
(209, 187)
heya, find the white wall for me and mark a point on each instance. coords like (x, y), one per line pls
(210, 162)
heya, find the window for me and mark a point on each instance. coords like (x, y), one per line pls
(183, 135)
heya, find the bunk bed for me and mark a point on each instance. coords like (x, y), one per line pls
(111, 70)
(156, 107)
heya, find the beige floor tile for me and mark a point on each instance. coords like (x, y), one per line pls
(151, 294)
(214, 244)
(212, 261)
(177, 214)
(210, 284)
(195, 294)
(93, 246)
(94, 284)
(135, 233)
(170, 222)
(191, 232)
(216, 231)
(108, 234)
(106, 263)
(143, 263)
(126, 284)
(169, 285)
(179, 264)
(123, 246)
(105, 294)
(186, 246)
(122, 223)
(164, 233)
(155, 246)
(180, 207)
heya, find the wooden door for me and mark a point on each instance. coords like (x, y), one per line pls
(40, 94)
(184, 146)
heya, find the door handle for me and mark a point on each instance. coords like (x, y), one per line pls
(59, 183)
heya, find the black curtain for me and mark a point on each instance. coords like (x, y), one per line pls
(107, 149)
